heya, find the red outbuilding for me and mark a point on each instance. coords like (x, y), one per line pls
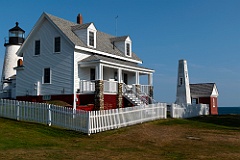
(205, 93)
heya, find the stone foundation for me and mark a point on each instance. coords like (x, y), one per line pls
(120, 96)
(99, 97)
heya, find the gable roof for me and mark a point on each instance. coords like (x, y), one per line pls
(117, 39)
(203, 89)
(67, 27)
(80, 26)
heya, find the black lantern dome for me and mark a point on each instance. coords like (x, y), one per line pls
(16, 36)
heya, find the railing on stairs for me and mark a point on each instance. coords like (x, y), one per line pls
(130, 92)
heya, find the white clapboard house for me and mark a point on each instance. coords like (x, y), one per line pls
(78, 64)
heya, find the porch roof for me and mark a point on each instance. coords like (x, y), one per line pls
(98, 58)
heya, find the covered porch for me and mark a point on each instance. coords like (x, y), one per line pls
(103, 77)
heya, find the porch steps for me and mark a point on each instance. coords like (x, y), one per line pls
(133, 98)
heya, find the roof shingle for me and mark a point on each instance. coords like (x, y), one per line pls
(103, 40)
(203, 89)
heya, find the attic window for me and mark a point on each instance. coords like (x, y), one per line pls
(37, 47)
(91, 38)
(57, 44)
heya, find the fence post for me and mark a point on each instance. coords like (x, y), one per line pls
(164, 111)
(49, 115)
(89, 123)
(118, 119)
(4, 107)
(17, 111)
(172, 111)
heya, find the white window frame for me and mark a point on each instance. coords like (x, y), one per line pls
(94, 38)
(213, 102)
(130, 49)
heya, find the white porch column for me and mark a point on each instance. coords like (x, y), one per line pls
(99, 72)
(119, 75)
(150, 79)
(137, 78)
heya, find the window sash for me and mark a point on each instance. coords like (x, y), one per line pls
(91, 38)
(47, 75)
(37, 47)
(57, 44)
(128, 49)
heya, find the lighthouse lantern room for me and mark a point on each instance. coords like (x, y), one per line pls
(16, 36)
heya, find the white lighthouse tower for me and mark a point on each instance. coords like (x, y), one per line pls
(12, 44)
(183, 88)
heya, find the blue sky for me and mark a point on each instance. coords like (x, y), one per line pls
(204, 32)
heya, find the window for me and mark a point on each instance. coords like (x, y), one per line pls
(180, 81)
(91, 39)
(213, 102)
(57, 44)
(47, 75)
(92, 74)
(20, 63)
(194, 100)
(128, 49)
(37, 47)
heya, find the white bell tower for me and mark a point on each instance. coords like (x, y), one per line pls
(12, 44)
(183, 88)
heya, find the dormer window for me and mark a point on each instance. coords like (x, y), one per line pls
(91, 41)
(127, 49)
(124, 44)
(91, 38)
(87, 33)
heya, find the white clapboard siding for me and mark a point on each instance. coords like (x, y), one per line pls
(61, 64)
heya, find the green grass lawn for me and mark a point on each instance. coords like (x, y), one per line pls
(207, 137)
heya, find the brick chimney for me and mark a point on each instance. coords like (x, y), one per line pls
(79, 19)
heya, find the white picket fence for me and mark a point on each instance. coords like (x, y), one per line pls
(78, 120)
(187, 111)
